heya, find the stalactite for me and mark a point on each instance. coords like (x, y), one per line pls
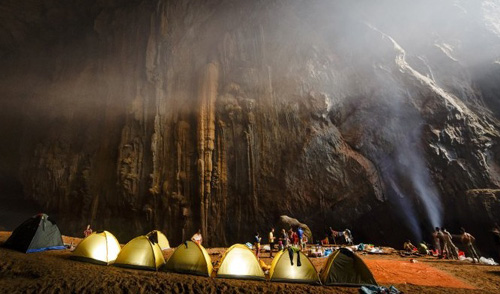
(223, 181)
(251, 172)
(94, 207)
(207, 95)
(156, 150)
(152, 72)
(130, 163)
(152, 65)
(180, 198)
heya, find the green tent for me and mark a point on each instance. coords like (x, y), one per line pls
(141, 253)
(98, 247)
(158, 237)
(239, 262)
(345, 267)
(38, 233)
(282, 269)
(190, 258)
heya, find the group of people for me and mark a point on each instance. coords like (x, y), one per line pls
(334, 235)
(297, 239)
(447, 249)
(444, 245)
(284, 239)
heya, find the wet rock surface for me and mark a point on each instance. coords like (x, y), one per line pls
(224, 115)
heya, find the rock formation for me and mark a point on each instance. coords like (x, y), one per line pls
(288, 222)
(224, 115)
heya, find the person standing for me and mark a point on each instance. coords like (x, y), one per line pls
(445, 251)
(87, 231)
(348, 237)
(271, 242)
(290, 236)
(197, 237)
(437, 243)
(452, 250)
(295, 238)
(333, 234)
(300, 234)
(496, 238)
(303, 242)
(468, 240)
(283, 239)
(257, 240)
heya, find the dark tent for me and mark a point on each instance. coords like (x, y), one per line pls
(36, 234)
(344, 267)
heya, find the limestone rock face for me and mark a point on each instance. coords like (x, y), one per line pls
(224, 115)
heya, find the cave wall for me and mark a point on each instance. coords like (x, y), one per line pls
(224, 115)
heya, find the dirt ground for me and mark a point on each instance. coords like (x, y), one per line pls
(54, 272)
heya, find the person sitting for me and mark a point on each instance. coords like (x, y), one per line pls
(423, 249)
(408, 247)
(291, 251)
(265, 267)
(316, 251)
(197, 238)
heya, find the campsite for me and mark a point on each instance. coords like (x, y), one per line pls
(56, 271)
(249, 146)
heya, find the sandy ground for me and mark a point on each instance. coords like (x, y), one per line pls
(54, 272)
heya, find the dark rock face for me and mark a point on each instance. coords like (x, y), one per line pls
(225, 115)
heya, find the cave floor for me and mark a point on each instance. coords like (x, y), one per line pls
(54, 272)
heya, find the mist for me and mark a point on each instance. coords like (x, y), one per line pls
(423, 40)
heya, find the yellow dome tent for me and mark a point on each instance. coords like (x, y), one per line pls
(190, 258)
(160, 238)
(141, 253)
(239, 262)
(100, 248)
(282, 269)
(345, 267)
